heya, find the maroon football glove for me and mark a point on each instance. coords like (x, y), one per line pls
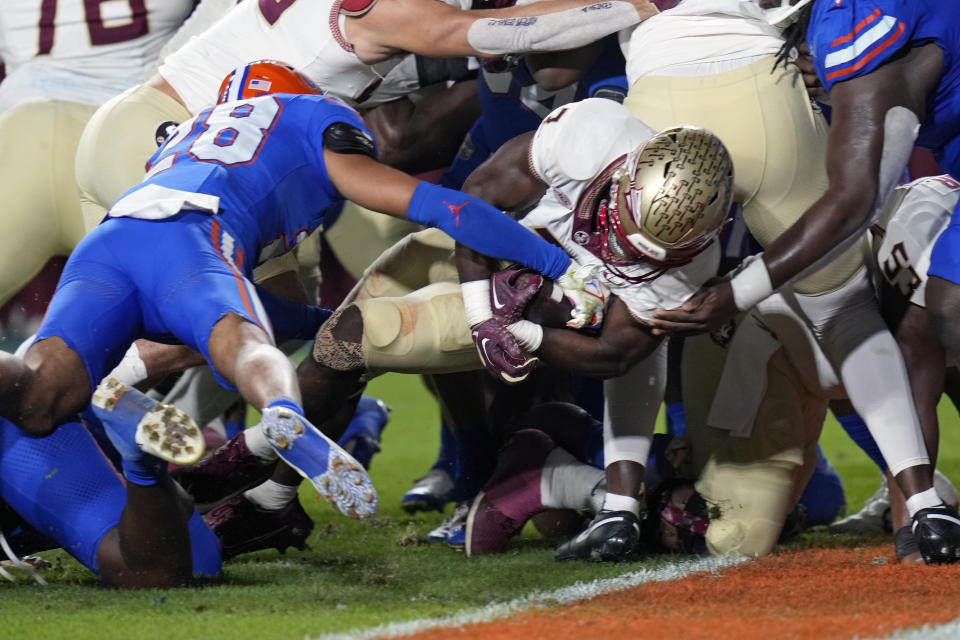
(501, 354)
(511, 291)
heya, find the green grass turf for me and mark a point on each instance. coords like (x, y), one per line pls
(357, 574)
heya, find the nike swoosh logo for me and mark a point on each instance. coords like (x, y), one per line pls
(483, 345)
(496, 301)
(583, 534)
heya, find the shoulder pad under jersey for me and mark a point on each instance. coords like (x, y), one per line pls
(851, 38)
(579, 139)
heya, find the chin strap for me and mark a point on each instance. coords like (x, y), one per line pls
(658, 268)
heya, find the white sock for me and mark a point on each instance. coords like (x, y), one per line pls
(597, 495)
(566, 483)
(616, 502)
(271, 496)
(923, 500)
(131, 369)
(258, 445)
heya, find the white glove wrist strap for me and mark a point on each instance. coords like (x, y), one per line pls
(476, 301)
(529, 335)
(752, 284)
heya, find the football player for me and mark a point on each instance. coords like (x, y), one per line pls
(242, 182)
(129, 534)
(591, 158)
(515, 95)
(781, 175)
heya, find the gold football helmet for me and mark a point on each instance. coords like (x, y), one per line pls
(670, 197)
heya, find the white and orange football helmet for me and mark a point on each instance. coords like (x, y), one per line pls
(670, 198)
(263, 77)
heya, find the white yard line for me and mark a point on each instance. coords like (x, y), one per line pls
(946, 631)
(561, 596)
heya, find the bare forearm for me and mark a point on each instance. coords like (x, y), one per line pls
(586, 355)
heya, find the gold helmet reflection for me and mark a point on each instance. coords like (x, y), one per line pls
(671, 197)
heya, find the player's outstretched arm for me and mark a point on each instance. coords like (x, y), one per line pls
(464, 218)
(875, 118)
(435, 29)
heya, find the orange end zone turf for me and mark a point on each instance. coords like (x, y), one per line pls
(831, 593)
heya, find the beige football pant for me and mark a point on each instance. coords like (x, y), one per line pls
(752, 482)
(777, 142)
(116, 144)
(41, 219)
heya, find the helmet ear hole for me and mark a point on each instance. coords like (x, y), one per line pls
(666, 169)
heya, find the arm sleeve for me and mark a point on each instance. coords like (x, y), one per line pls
(292, 320)
(557, 31)
(483, 228)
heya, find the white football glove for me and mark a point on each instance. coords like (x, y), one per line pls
(586, 293)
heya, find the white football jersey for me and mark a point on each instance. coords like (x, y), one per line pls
(698, 32)
(912, 219)
(81, 50)
(574, 152)
(307, 34)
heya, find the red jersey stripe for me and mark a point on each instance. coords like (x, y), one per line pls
(857, 29)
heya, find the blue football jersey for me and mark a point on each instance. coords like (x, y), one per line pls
(263, 159)
(851, 38)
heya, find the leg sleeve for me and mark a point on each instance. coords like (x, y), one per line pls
(631, 404)
(848, 327)
(204, 547)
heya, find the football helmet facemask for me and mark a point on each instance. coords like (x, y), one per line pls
(263, 77)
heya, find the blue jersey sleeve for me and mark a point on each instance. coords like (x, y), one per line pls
(851, 38)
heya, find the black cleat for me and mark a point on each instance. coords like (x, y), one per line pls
(243, 527)
(225, 473)
(937, 533)
(613, 536)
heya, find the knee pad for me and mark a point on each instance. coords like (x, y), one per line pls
(423, 332)
(750, 501)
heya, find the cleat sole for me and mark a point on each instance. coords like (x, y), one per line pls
(163, 431)
(339, 478)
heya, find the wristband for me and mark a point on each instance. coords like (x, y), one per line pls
(752, 284)
(476, 301)
(529, 335)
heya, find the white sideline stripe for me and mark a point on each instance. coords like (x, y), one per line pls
(863, 42)
(946, 631)
(557, 597)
